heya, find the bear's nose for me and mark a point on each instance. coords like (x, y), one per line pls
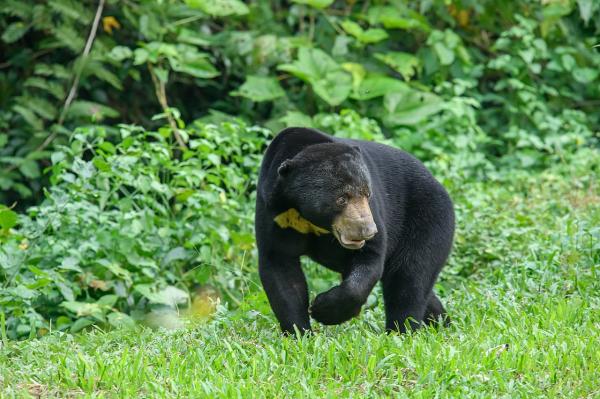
(369, 231)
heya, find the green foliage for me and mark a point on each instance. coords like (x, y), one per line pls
(530, 68)
(125, 224)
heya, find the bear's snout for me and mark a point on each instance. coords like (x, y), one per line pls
(369, 231)
(355, 225)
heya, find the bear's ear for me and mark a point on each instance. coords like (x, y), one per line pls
(284, 168)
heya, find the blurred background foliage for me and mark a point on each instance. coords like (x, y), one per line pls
(129, 140)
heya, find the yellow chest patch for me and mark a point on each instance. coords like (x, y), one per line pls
(292, 219)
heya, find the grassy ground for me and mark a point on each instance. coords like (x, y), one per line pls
(522, 289)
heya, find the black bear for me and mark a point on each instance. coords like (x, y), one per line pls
(366, 210)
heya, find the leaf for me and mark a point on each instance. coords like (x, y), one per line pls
(104, 74)
(195, 64)
(120, 53)
(405, 64)
(444, 54)
(80, 324)
(82, 308)
(8, 218)
(585, 75)
(586, 9)
(394, 18)
(219, 8)
(30, 169)
(88, 109)
(120, 320)
(107, 301)
(70, 263)
(42, 107)
(358, 73)
(170, 295)
(176, 253)
(194, 37)
(374, 86)
(295, 118)
(29, 117)
(14, 32)
(328, 79)
(3, 139)
(410, 107)
(260, 88)
(366, 37)
(318, 4)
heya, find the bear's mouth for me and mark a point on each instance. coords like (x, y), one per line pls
(346, 242)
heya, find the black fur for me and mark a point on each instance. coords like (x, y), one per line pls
(307, 170)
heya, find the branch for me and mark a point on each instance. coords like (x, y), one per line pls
(161, 95)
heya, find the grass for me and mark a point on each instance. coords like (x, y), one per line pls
(522, 288)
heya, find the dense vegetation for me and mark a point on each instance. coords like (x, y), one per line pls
(130, 137)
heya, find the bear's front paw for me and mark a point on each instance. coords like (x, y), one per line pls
(334, 307)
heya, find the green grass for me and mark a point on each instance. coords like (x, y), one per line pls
(522, 289)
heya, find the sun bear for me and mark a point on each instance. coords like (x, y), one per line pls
(366, 210)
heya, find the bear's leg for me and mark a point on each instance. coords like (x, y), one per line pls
(287, 291)
(344, 301)
(435, 310)
(405, 298)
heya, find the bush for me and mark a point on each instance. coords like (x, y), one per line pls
(129, 224)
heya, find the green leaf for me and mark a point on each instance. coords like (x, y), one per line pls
(410, 107)
(373, 36)
(3, 139)
(82, 308)
(194, 37)
(366, 37)
(88, 109)
(395, 18)
(219, 8)
(586, 9)
(80, 324)
(444, 54)
(358, 73)
(374, 86)
(107, 147)
(29, 117)
(585, 75)
(107, 301)
(30, 169)
(14, 32)
(120, 320)
(295, 118)
(101, 164)
(8, 218)
(328, 79)
(177, 253)
(318, 4)
(195, 64)
(405, 64)
(260, 88)
(120, 53)
(170, 295)
(52, 87)
(42, 107)
(104, 74)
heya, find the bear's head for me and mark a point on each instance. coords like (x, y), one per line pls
(329, 185)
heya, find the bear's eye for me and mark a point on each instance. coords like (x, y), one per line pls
(341, 201)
